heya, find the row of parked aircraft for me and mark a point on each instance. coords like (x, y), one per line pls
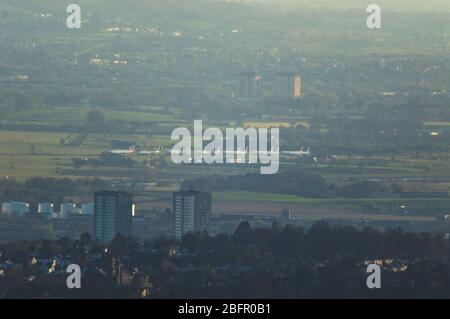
(133, 151)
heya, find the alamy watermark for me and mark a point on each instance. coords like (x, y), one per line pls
(74, 279)
(73, 21)
(374, 19)
(374, 279)
(237, 146)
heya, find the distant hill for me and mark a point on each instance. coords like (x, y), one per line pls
(338, 32)
(155, 6)
(390, 5)
(138, 11)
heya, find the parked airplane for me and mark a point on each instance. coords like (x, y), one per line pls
(300, 153)
(131, 150)
(219, 151)
(151, 152)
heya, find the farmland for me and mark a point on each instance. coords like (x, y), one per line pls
(24, 154)
(374, 107)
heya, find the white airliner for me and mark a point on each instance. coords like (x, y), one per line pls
(299, 153)
(219, 151)
(151, 152)
(131, 150)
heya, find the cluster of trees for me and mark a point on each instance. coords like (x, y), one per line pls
(279, 262)
(105, 159)
(321, 241)
(40, 189)
(289, 262)
(295, 182)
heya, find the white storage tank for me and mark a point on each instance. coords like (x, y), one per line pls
(67, 209)
(15, 208)
(6, 208)
(87, 209)
(46, 209)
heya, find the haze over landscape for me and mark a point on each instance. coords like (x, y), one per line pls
(88, 115)
(396, 5)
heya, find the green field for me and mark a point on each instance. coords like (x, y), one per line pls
(24, 154)
(78, 115)
(252, 197)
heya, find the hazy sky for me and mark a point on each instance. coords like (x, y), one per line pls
(397, 5)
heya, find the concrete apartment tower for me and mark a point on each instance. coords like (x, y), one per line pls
(192, 212)
(112, 215)
(289, 85)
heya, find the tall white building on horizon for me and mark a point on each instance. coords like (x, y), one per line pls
(192, 212)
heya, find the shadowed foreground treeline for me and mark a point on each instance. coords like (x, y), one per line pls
(277, 262)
